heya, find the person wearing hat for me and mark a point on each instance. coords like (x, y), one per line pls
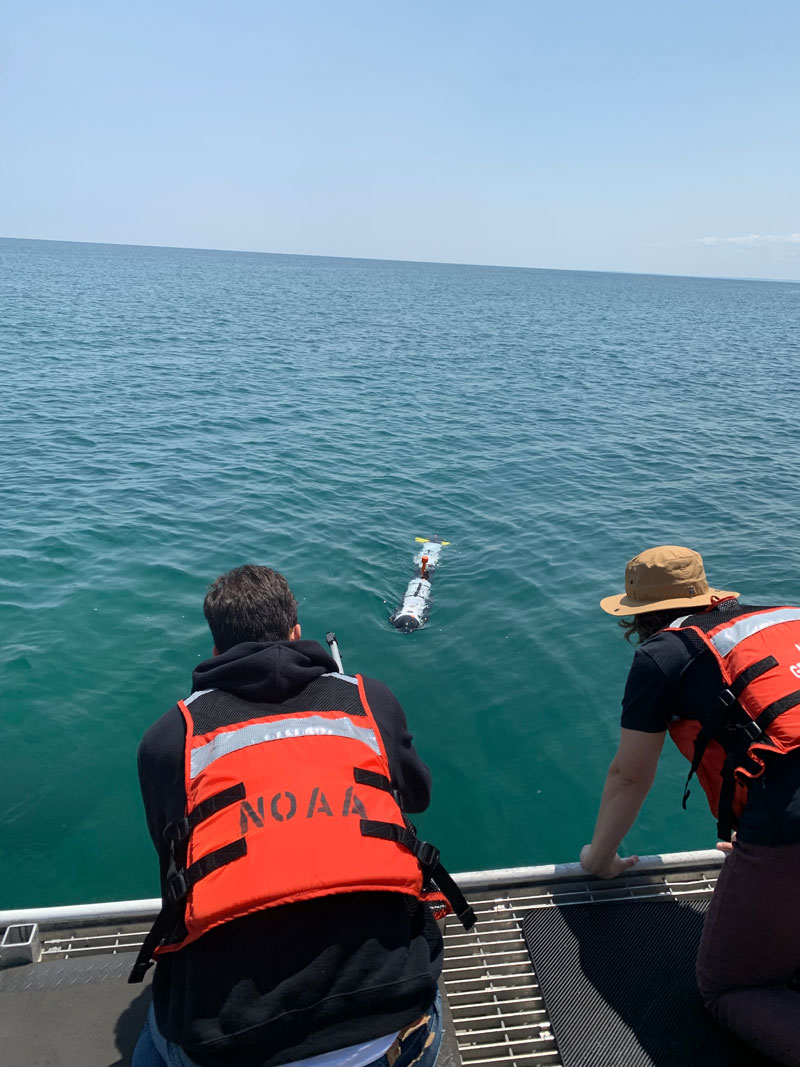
(748, 964)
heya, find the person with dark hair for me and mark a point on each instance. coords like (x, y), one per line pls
(250, 604)
(724, 679)
(297, 923)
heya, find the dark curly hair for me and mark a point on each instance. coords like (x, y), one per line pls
(648, 623)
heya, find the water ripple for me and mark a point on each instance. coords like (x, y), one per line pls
(169, 414)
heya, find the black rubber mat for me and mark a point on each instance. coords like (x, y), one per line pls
(618, 983)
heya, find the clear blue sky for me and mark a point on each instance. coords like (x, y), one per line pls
(606, 136)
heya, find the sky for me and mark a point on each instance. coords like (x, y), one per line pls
(622, 136)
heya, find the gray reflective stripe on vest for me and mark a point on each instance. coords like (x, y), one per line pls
(199, 693)
(728, 639)
(278, 730)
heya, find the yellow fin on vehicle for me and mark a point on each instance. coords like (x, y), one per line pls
(424, 540)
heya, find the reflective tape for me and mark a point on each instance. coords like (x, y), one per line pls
(728, 639)
(278, 730)
(199, 693)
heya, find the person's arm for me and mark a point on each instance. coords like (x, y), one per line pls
(628, 782)
(160, 764)
(410, 776)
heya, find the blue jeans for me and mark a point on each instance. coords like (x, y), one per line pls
(420, 1047)
(152, 1050)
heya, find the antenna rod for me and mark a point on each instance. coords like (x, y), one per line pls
(333, 644)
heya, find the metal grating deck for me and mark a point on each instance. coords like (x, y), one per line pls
(495, 1000)
(495, 1005)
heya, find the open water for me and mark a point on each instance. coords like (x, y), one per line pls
(168, 414)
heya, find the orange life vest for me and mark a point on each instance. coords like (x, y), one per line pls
(287, 802)
(758, 653)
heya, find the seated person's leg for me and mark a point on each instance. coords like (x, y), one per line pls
(750, 949)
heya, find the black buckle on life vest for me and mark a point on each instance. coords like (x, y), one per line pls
(752, 730)
(176, 888)
(427, 855)
(727, 699)
(177, 831)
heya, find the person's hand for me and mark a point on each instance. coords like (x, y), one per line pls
(726, 846)
(607, 868)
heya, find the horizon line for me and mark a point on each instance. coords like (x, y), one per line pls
(429, 262)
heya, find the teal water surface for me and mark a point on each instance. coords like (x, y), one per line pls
(168, 414)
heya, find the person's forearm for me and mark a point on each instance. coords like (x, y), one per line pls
(620, 804)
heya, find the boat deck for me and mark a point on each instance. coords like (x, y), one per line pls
(499, 1015)
(75, 1006)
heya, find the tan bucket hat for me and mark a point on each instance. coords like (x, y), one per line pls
(665, 577)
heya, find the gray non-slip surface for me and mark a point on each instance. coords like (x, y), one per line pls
(71, 1013)
(83, 1013)
(618, 983)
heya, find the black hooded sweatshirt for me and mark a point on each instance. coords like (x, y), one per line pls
(299, 979)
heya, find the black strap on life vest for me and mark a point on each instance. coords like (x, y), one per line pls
(159, 932)
(725, 822)
(755, 670)
(377, 781)
(426, 854)
(180, 879)
(746, 731)
(178, 886)
(738, 755)
(776, 708)
(176, 833)
(700, 745)
(709, 731)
